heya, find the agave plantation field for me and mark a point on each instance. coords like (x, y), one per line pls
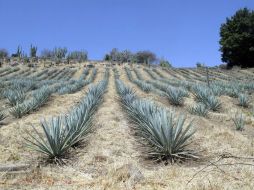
(126, 127)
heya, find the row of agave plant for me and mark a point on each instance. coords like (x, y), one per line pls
(4, 69)
(232, 89)
(32, 82)
(23, 103)
(175, 95)
(78, 84)
(64, 132)
(17, 74)
(8, 71)
(24, 106)
(207, 95)
(206, 98)
(140, 83)
(26, 83)
(162, 135)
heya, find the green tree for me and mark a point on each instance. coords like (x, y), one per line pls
(237, 39)
(199, 64)
(146, 57)
(78, 56)
(18, 53)
(165, 63)
(3, 54)
(47, 54)
(59, 54)
(33, 51)
(107, 57)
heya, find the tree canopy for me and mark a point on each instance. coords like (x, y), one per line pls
(78, 56)
(33, 51)
(165, 63)
(146, 57)
(237, 39)
(3, 53)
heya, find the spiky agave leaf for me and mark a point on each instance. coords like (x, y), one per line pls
(165, 139)
(116, 73)
(183, 91)
(199, 109)
(213, 103)
(144, 86)
(243, 100)
(20, 110)
(175, 96)
(93, 75)
(217, 90)
(2, 116)
(122, 89)
(79, 123)
(129, 74)
(239, 121)
(15, 96)
(232, 92)
(201, 93)
(55, 141)
(138, 74)
(72, 88)
(40, 97)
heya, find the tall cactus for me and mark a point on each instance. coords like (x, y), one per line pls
(33, 51)
(19, 52)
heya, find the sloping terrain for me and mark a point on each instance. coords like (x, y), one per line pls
(111, 158)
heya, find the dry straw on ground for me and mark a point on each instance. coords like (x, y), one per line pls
(111, 160)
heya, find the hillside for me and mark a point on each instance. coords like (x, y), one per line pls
(111, 156)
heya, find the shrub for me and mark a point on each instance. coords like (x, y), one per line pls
(20, 110)
(2, 116)
(175, 96)
(56, 139)
(243, 100)
(232, 92)
(40, 97)
(239, 121)
(217, 90)
(15, 96)
(213, 103)
(199, 109)
(201, 93)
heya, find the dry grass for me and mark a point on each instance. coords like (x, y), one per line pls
(111, 160)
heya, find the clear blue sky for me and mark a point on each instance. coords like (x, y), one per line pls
(183, 31)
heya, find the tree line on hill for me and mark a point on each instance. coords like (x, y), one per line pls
(143, 57)
(57, 54)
